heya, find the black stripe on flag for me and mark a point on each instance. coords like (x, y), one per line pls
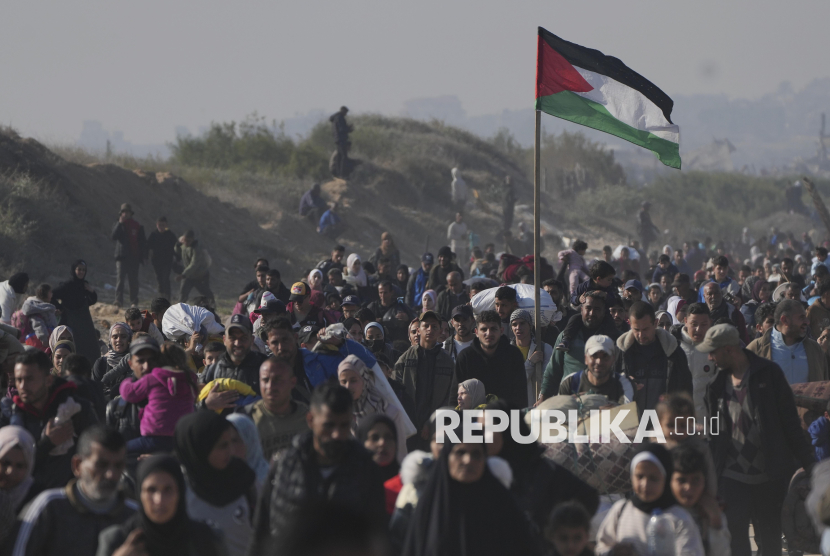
(596, 61)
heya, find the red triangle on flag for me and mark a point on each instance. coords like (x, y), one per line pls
(555, 74)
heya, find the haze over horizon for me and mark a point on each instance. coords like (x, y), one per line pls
(145, 69)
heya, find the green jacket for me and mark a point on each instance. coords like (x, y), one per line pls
(195, 259)
(562, 364)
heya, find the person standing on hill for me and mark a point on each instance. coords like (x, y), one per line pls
(457, 235)
(341, 137)
(130, 250)
(458, 191)
(74, 298)
(196, 261)
(508, 204)
(161, 244)
(646, 228)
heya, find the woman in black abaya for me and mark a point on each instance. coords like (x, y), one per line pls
(74, 299)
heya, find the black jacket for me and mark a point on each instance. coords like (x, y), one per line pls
(502, 373)
(122, 242)
(161, 245)
(124, 417)
(51, 471)
(247, 371)
(295, 479)
(447, 301)
(785, 445)
(92, 391)
(438, 277)
(56, 523)
(203, 540)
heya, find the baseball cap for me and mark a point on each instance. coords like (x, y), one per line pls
(429, 315)
(719, 336)
(144, 342)
(307, 333)
(350, 300)
(298, 291)
(427, 258)
(634, 284)
(271, 307)
(462, 311)
(126, 207)
(600, 343)
(240, 321)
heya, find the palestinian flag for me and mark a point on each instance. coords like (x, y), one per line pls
(587, 87)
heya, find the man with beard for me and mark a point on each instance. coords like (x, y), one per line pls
(278, 417)
(395, 316)
(39, 394)
(438, 274)
(239, 363)
(507, 301)
(455, 295)
(690, 335)
(326, 464)
(67, 521)
(719, 308)
(281, 340)
(563, 363)
(492, 360)
(464, 324)
(787, 344)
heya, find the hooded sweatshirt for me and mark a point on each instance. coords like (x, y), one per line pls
(170, 394)
(41, 317)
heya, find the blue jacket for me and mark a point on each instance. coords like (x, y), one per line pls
(416, 287)
(321, 365)
(820, 433)
(672, 271)
(327, 220)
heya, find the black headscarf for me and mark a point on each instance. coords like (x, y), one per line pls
(162, 539)
(519, 456)
(466, 519)
(666, 499)
(76, 264)
(196, 435)
(19, 282)
(363, 428)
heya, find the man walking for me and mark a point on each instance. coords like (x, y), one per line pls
(130, 249)
(418, 280)
(161, 243)
(196, 261)
(760, 439)
(456, 294)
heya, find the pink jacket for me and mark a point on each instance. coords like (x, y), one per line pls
(169, 397)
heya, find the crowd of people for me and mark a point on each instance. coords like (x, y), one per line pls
(306, 422)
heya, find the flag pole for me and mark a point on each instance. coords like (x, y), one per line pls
(537, 238)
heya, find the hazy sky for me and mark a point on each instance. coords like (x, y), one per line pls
(146, 67)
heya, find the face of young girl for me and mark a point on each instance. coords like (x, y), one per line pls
(648, 482)
(687, 487)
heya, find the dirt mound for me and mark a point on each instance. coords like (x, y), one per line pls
(53, 212)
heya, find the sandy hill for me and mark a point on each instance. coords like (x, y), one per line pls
(54, 210)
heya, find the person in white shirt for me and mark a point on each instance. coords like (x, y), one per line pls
(457, 235)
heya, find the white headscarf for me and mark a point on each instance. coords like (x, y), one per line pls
(311, 274)
(431, 295)
(475, 388)
(671, 308)
(13, 436)
(667, 250)
(361, 280)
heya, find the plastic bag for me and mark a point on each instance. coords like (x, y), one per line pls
(183, 320)
(65, 412)
(525, 293)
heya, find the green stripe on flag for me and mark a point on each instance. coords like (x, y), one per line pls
(572, 107)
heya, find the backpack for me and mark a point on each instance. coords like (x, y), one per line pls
(576, 378)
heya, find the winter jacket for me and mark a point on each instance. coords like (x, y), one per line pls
(502, 373)
(321, 364)
(315, 317)
(124, 417)
(438, 277)
(111, 379)
(416, 287)
(171, 395)
(162, 246)
(57, 523)
(398, 329)
(247, 371)
(817, 362)
(121, 234)
(41, 317)
(703, 371)
(819, 317)
(447, 301)
(678, 376)
(8, 302)
(195, 259)
(51, 470)
(820, 434)
(296, 479)
(203, 540)
(773, 404)
(563, 363)
(440, 380)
